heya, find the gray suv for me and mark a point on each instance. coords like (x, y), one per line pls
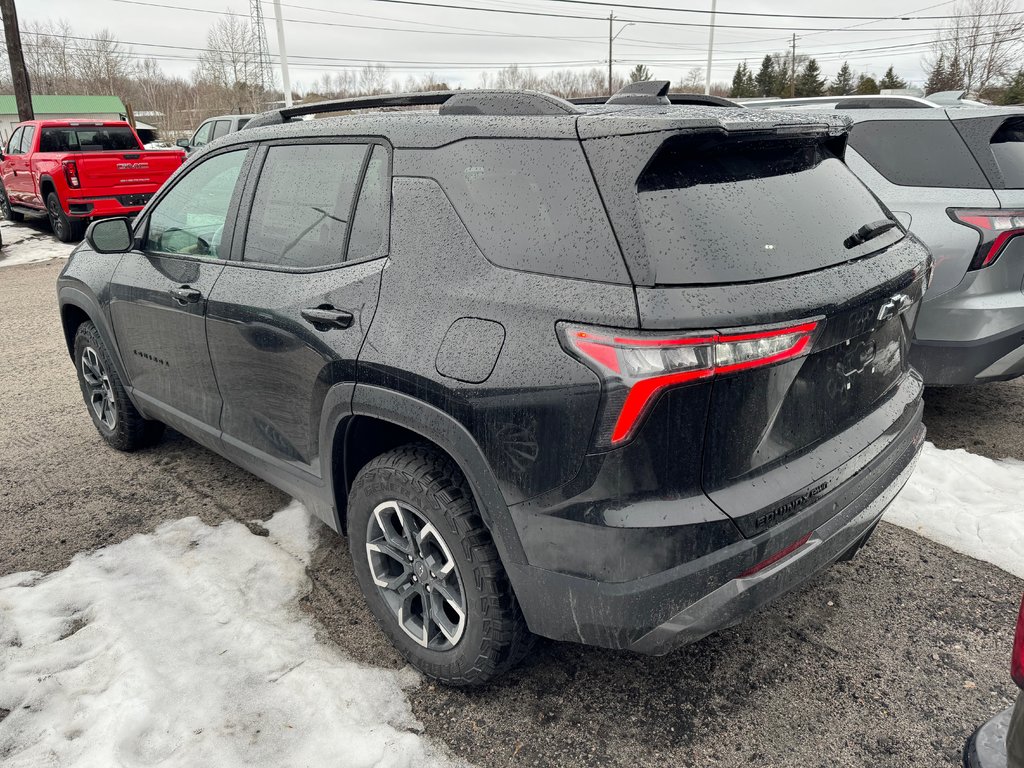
(956, 178)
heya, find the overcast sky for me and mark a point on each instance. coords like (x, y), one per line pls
(456, 45)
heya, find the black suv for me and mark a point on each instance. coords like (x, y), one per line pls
(616, 374)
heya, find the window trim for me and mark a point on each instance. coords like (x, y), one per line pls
(10, 142)
(141, 229)
(30, 134)
(249, 197)
(192, 141)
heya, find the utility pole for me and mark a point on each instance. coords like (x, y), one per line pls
(19, 74)
(711, 47)
(792, 69)
(286, 82)
(611, 18)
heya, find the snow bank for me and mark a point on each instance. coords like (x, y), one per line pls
(186, 647)
(26, 243)
(969, 503)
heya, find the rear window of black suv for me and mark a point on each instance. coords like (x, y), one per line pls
(727, 211)
(918, 153)
(1008, 150)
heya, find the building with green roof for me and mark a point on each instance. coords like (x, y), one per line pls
(54, 107)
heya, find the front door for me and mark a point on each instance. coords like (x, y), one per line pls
(159, 294)
(15, 171)
(288, 316)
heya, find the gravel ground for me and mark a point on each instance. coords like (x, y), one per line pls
(890, 660)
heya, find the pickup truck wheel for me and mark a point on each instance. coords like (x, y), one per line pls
(5, 207)
(116, 419)
(66, 229)
(429, 570)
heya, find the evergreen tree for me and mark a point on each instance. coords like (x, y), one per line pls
(954, 75)
(743, 83)
(890, 80)
(937, 77)
(866, 85)
(640, 72)
(810, 82)
(766, 77)
(1014, 93)
(843, 85)
(749, 86)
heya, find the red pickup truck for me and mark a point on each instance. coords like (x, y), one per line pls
(76, 170)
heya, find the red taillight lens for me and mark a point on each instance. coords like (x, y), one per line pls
(1017, 660)
(996, 227)
(71, 173)
(638, 367)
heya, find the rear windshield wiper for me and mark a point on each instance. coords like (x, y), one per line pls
(868, 232)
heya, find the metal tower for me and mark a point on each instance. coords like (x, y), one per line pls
(264, 71)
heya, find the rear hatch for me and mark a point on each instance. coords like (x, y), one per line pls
(109, 161)
(739, 229)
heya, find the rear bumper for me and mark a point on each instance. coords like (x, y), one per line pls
(975, 332)
(658, 612)
(999, 743)
(94, 207)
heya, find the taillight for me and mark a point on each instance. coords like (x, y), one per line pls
(637, 367)
(996, 227)
(71, 173)
(1017, 660)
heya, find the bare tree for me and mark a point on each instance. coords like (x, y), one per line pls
(373, 79)
(985, 38)
(229, 67)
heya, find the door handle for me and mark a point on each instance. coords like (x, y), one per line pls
(186, 295)
(326, 317)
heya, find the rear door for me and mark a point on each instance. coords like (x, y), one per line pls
(160, 291)
(288, 317)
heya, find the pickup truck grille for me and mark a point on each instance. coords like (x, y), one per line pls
(134, 201)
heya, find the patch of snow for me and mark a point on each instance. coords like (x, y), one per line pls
(187, 647)
(27, 243)
(969, 503)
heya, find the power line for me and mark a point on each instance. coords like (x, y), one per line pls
(901, 17)
(449, 6)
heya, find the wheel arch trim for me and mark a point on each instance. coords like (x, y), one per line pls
(69, 296)
(443, 430)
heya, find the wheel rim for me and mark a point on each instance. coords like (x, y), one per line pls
(55, 220)
(416, 575)
(100, 392)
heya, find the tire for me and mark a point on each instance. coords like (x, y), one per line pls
(116, 419)
(422, 485)
(66, 229)
(5, 207)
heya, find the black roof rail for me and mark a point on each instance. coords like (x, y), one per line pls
(672, 98)
(642, 92)
(472, 102)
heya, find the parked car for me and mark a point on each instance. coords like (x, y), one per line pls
(72, 171)
(956, 178)
(212, 129)
(1000, 742)
(549, 373)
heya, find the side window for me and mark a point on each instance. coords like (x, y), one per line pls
(190, 218)
(372, 209)
(300, 213)
(1008, 150)
(220, 128)
(14, 145)
(26, 139)
(907, 152)
(203, 134)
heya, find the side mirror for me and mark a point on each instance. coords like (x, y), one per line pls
(183, 143)
(110, 235)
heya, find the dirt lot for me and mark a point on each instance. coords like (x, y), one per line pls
(890, 660)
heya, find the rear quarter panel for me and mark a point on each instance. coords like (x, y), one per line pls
(952, 245)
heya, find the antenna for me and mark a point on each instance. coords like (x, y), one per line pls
(264, 73)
